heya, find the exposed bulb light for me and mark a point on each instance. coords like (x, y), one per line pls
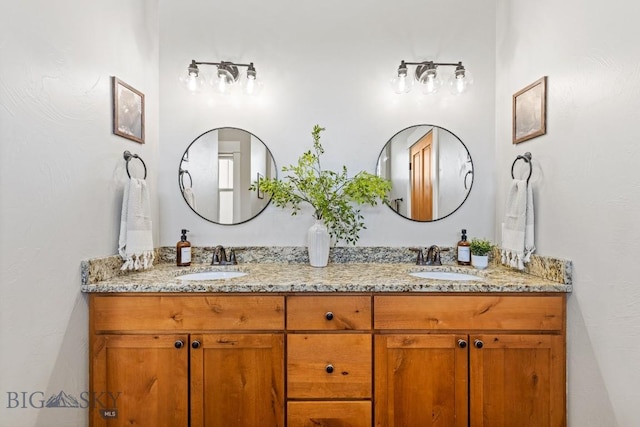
(461, 81)
(224, 80)
(401, 83)
(191, 81)
(428, 77)
(252, 86)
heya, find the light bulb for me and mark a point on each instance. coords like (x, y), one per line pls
(401, 84)
(222, 83)
(191, 83)
(252, 86)
(461, 81)
(431, 83)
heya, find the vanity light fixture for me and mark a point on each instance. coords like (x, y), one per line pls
(426, 74)
(225, 78)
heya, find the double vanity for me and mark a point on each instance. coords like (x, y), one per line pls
(353, 344)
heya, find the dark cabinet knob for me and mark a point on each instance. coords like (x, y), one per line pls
(178, 344)
(195, 344)
(328, 315)
(462, 343)
(329, 369)
(478, 343)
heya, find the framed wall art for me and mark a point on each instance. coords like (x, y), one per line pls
(128, 111)
(530, 111)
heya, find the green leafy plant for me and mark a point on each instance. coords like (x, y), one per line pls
(480, 247)
(333, 195)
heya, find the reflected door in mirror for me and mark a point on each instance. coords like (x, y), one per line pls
(430, 170)
(421, 182)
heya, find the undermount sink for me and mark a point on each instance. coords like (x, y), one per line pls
(444, 275)
(212, 275)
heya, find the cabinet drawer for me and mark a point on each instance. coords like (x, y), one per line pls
(329, 366)
(187, 313)
(328, 312)
(335, 414)
(536, 313)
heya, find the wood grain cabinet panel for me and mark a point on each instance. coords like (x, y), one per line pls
(329, 366)
(327, 313)
(517, 380)
(329, 414)
(469, 313)
(421, 380)
(187, 313)
(237, 380)
(144, 378)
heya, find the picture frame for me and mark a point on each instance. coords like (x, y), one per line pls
(258, 180)
(128, 111)
(530, 111)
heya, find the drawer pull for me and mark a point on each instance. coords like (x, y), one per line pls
(328, 315)
(195, 344)
(462, 343)
(478, 343)
(178, 344)
(329, 369)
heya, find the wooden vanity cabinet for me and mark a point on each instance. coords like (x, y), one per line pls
(490, 361)
(329, 361)
(345, 360)
(195, 361)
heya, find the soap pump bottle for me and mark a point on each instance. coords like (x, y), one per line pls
(183, 251)
(464, 250)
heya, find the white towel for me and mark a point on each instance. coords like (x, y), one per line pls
(517, 229)
(190, 197)
(135, 244)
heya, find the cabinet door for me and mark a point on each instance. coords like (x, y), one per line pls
(142, 380)
(237, 380)
(517, 380)
(421, 380)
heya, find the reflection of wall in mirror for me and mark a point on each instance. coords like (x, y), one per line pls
(203, 167)
(262, 163)
(453, 161)
(401, 188)
(236, 143)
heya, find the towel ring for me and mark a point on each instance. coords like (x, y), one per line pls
(128, 156)
(184, 172)
(527, 158)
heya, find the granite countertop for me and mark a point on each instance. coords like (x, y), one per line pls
(338, 277)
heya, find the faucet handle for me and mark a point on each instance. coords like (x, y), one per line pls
(232, 257)
(420, 258)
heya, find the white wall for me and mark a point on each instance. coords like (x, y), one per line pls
(586, 182)
(330, 64)
(61, 178)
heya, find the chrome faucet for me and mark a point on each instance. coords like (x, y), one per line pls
(220, 256)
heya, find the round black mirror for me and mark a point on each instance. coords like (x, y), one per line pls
(216, 171)
(430, 170)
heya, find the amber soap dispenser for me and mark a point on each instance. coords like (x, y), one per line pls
(464, 250)
(183, 251)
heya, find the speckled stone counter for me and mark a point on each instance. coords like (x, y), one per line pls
(336, 277)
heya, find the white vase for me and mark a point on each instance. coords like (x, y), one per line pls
(318, 244)
(480, 261)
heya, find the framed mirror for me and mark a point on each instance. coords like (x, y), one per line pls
(216, 171)
(430, 170)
